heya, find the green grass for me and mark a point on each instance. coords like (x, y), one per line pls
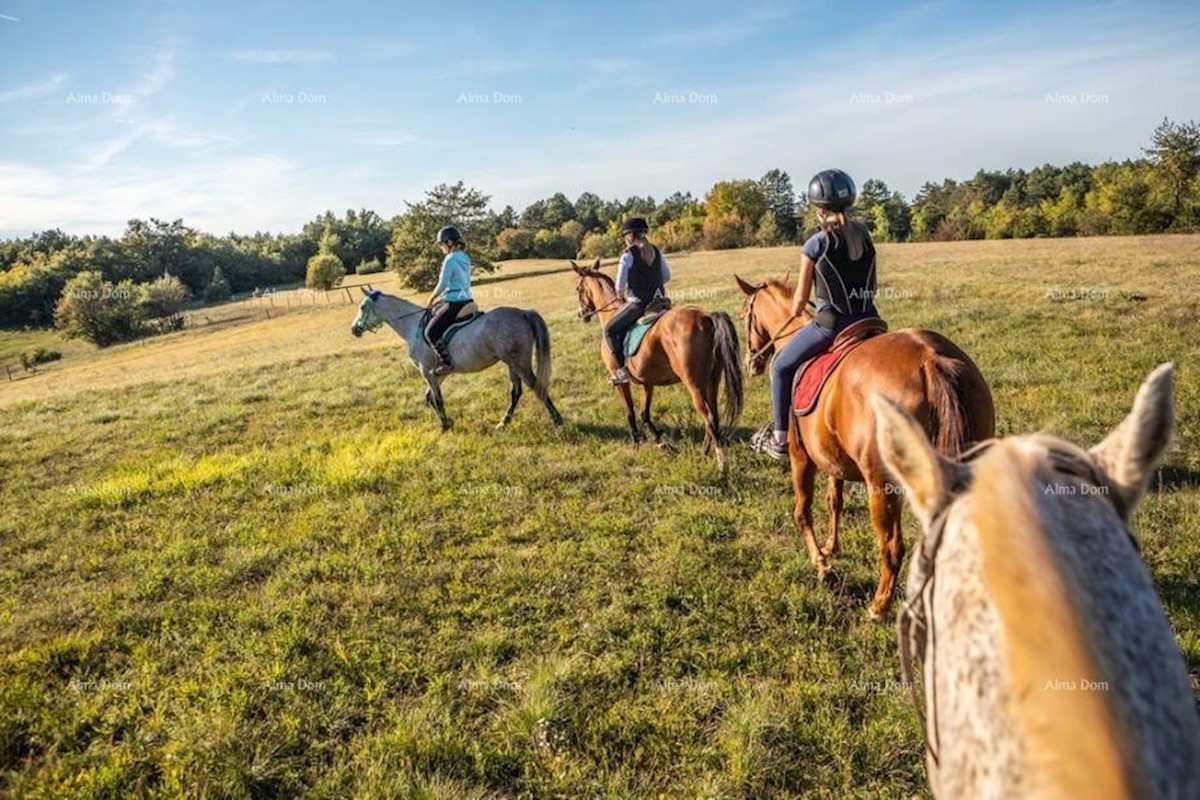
(280, 579)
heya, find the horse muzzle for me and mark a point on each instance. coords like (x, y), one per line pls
(356, 331)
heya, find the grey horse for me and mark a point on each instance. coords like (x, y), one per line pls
(503, 334)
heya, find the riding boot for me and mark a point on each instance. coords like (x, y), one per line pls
(443, 366)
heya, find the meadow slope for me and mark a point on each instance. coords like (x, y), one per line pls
(241, 561)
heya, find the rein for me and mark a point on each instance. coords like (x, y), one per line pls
(587, 315)
(783, 329)
(918, 645)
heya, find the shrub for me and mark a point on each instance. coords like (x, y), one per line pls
(325, 271)
(370, 267)
(218, 288)
(681, 234)
(727, 231)
(162, 302)
(40, 356)
(94, 309)
(601, 245)
(514, 243)
(548, 244)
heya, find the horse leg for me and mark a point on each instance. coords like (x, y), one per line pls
(542, 393)
(708, 413)
(804, 476)
(627, 398)
(433, 396)
(514, 396)
(833, 499)
(885, 516)
(648, 396)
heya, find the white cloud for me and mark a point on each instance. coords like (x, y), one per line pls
(281, 56)
(32, 90)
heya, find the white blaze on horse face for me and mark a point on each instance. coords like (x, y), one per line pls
(1131, 452)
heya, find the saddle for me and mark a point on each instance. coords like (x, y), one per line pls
(466, 315)
(654, 311)
(813, 374)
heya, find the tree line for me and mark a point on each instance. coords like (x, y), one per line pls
(155, 268)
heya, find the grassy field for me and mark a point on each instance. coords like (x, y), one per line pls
(240, 560)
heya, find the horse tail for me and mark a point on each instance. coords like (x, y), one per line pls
(541, 343)
(727, 365)
(944, 393)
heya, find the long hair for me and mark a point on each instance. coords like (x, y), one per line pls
(840, 228)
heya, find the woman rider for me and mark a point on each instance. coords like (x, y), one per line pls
(839, 259)
(453, 291)
(641, 278)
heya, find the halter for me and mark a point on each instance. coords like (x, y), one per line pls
(915, 633)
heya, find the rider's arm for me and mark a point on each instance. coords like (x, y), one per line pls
(623, 273)
(443, 280)
(800, 299)
(666, 272)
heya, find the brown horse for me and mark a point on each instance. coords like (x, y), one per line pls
(921, 371)
(687, 344)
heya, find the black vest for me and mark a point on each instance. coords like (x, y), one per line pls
(846, 284)
(645, 281)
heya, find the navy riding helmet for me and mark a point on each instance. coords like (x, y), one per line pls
(832, 190)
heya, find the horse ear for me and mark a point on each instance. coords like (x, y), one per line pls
(596, 266)
(927, 476)
(575, 266)
(365, 290)
(1131, 452)
(747, 288)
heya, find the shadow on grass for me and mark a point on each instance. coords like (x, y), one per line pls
(1173, 479)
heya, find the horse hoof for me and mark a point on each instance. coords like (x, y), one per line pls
(827, 577)
(876, 615)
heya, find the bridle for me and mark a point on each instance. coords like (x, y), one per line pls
(379, 320)
(586, 314)
(918, 645)
(759, 352)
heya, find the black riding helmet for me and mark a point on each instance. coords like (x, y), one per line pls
(448, 235)
(635, 225)
(832, 190)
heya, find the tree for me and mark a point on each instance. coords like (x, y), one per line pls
(776, 188)
(727, 231)
(743, 199)
(681, 234)
(1174, 152)
(102, 312)
(162, 302)
(218, 288)
(514, 243)
(412, 252)
(558, 211)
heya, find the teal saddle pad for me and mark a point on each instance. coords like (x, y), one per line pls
(454, 328)
(633, 339)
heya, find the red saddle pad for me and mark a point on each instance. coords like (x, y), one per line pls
(811, 377)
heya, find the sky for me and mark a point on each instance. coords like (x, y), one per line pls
(260, 115)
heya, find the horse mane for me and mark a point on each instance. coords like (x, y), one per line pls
(589, 272)
(1074, 736)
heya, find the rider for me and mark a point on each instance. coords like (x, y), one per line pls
(641, 279)
(840, 259)
(453, 291)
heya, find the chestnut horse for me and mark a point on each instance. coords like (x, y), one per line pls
(921, 371)
(687, 344)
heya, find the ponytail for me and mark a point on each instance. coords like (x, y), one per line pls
(838, 228)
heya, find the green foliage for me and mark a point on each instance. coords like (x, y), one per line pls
(162, 302)
(548, 244)
(514, 243)
(218, 288)
(99, 311)
(325, 271)
(776, 188)
(42, 355)
(370, 267)
(1175, 153)
(413, 253)
(743, 199)
(727, 231)
(682, 234)
(602, 245)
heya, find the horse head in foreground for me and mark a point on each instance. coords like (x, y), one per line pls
(1047, 663)
(511, 335)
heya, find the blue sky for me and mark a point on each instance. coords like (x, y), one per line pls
(259, 115)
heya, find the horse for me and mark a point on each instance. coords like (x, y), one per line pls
(924, 372)
(511, 335)
(687, 344)
(1046, 662)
